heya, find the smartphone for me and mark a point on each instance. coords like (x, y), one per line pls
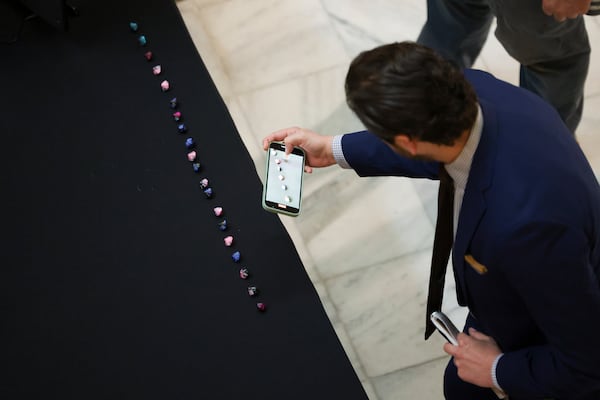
(445, 326)
(282, 191)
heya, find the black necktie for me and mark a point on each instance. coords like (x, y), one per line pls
(442, 245)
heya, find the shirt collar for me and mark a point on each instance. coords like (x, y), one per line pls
(459, 168)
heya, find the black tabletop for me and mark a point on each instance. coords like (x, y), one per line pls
(115, 279)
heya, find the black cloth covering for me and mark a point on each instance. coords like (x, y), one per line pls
(115, 281)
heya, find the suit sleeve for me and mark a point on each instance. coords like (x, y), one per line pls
(551, 267)
(370, 156)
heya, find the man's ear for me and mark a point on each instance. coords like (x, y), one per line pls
(406, 143)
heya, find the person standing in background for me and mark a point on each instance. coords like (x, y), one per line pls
(547, 37)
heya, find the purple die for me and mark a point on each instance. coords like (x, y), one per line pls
(189, 143)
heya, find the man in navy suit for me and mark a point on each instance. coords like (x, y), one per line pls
(526, 252)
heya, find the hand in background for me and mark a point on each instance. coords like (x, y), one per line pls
(317, 147)
(563, 9)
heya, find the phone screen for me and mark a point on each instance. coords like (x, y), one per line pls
(283, 185)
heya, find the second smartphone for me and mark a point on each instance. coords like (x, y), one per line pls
(445, 326)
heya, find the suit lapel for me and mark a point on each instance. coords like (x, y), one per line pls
(474, 204)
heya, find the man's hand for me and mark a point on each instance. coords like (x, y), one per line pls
(317, 147)
(563, 9)
(474, 357)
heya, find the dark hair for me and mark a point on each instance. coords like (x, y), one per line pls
(406, 88)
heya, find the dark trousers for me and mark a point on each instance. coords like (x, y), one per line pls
(554, 56)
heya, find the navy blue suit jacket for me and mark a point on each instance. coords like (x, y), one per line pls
(531, 215)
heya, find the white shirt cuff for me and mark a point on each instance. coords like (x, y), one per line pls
(494, 378)
(338, 153)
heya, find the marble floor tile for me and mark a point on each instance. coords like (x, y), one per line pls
(362, 25)
(315, 101)
(261, 42)
(428, 192)
(592, 84)
(368, 221)
(588, 132)
(190, 12)
(354, 359)
(382, 309)
(424, 379)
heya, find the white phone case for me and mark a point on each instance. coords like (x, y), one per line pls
(445, 326)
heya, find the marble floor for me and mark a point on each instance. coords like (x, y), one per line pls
(280, 63)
